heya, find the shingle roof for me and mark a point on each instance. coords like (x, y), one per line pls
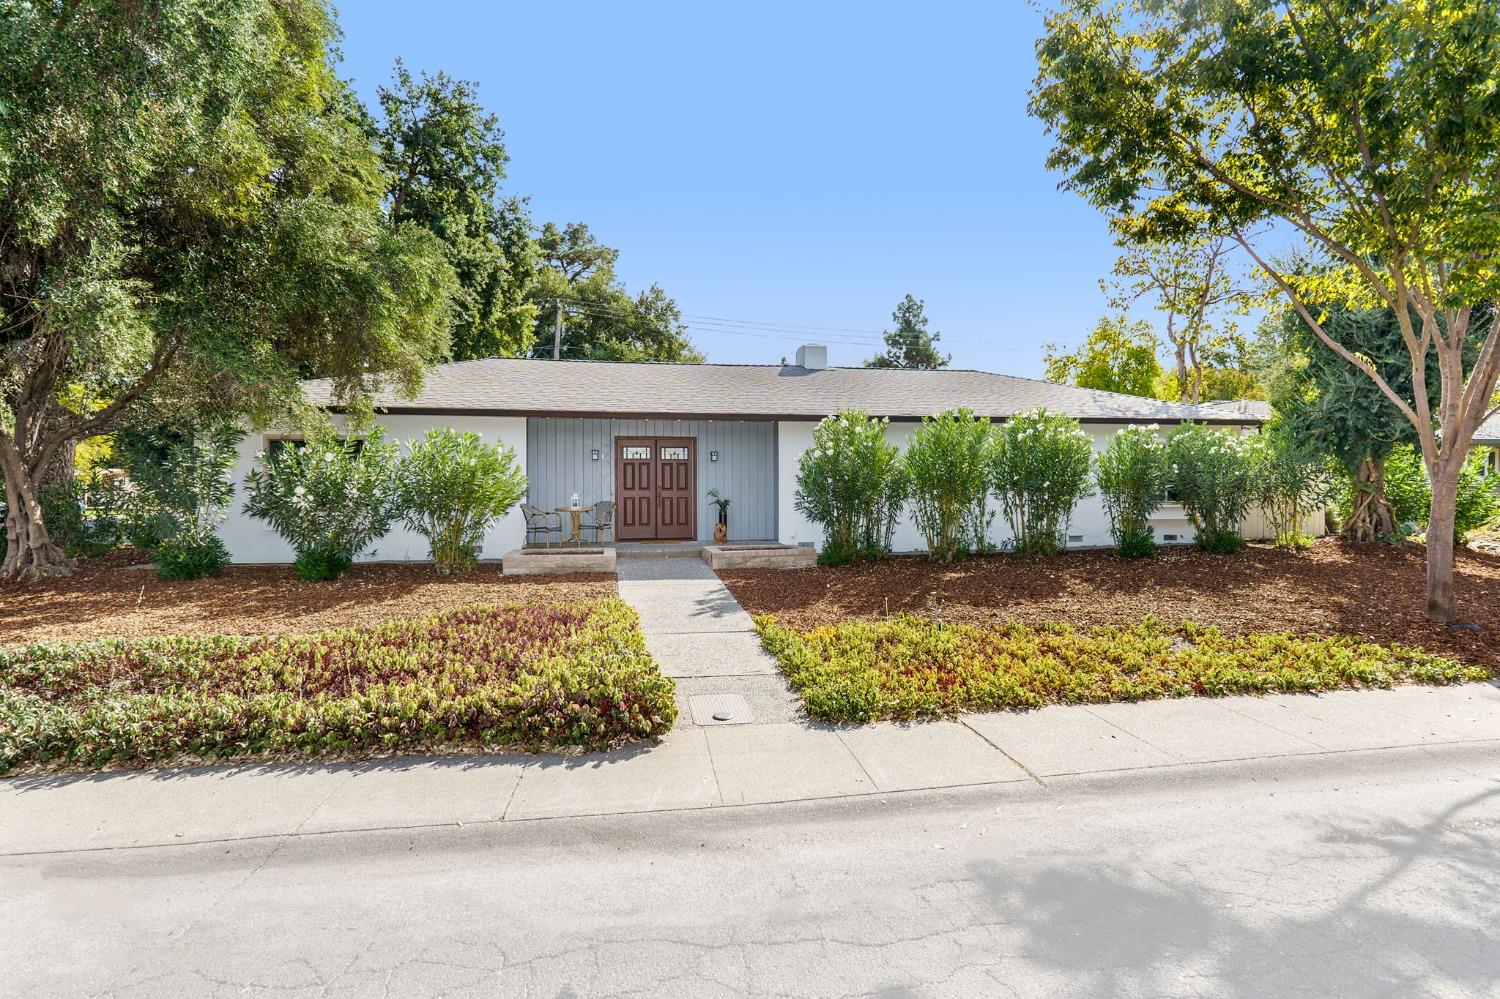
(1255, 408)
(522, 386)
(1489, 432)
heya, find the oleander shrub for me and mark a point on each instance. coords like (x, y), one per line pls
(947, 462)
(1293, 479)
(191, 554)
(451, 487)
(1131, 473)
(331, 498)
(851, 483)
(1211, 473)
(180, 490)
(529, 677)
(912, 667)
(1039, 471)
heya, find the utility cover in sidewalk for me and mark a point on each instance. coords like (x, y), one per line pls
(720, 709)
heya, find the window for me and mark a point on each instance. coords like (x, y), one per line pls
(674, 454)
(275, 445)
(636, 453)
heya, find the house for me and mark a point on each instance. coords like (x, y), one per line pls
(1487, 440)
(656, 437)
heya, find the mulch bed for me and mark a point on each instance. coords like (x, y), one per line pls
(1375, 591)
(108, 597)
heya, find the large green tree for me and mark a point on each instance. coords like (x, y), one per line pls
(1368, 129)
(1323, 398)
(910, 344)
(601, 320)
(445, 158)
(1118, 356)
(190, 215)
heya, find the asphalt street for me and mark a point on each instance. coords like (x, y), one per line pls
(1356, 874)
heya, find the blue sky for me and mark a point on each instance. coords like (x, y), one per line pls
(798, 164)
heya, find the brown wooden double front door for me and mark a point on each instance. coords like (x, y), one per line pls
(655, 488)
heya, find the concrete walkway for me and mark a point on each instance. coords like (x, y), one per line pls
(707, 767)
(702, 638)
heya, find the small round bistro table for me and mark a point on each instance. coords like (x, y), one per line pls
(576, 513)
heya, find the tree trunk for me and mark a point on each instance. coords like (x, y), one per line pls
(1440, 540)
(63, 468)
(29, 551)
(1372, 518)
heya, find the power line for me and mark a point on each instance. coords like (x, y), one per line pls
(694, 319)
(730, 327)
(758, 329)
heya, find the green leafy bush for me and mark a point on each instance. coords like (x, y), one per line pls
(851, 482)
(1293, 479)
(1212, 475)
(1039, 470)
(181, 489)
(191, 554)
(1131, 474)
(1407, 489)
(947, 461)
(531, 677)
(1477, 503)
(910, 667)
(1410, 493)
(452, 487)
(180, 480)
(330, 498)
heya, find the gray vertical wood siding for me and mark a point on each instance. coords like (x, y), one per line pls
(558, 465)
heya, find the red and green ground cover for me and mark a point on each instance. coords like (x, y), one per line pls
(526, 676)
(912, 667)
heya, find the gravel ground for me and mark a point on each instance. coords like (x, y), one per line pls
(109, 597)
(1375, 591)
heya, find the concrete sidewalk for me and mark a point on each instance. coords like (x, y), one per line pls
(708, 767)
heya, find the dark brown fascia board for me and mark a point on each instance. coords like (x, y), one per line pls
(565, 414)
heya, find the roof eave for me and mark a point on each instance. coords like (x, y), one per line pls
(581, 414)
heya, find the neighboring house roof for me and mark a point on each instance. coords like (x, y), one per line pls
(524, 386)
(1254, 408)
(1488, 433)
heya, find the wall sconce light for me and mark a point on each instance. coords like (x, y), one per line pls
(594, 455)
(713, 456)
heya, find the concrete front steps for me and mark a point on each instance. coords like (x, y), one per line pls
(557, 561)
(759, 556)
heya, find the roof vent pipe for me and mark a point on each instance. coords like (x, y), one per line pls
(812, 356)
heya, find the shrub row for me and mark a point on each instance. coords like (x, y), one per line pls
(507, 676)
(1038, 467)
(332, 498)
(910, 667)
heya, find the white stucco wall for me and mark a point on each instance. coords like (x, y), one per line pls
(1089, 526)
(251, 540)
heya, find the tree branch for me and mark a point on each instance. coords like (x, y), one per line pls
(1338, 348)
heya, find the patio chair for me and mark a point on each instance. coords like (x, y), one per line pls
(599, 520)
(543, 522)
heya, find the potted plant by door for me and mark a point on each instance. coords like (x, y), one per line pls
(721, 529)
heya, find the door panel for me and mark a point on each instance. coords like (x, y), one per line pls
(635, 497)
(675, 475)
(655, 483)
